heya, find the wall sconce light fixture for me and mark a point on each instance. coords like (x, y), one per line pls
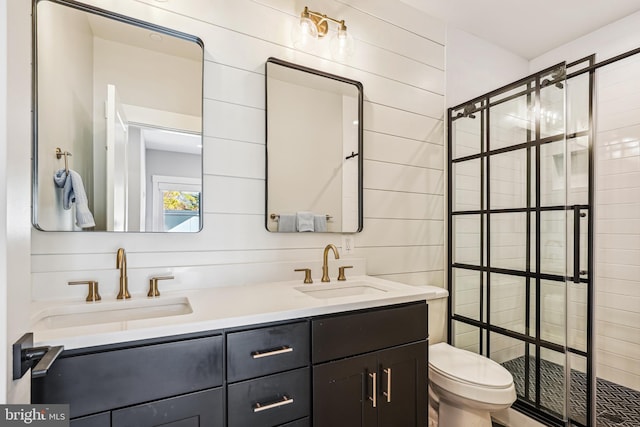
(314, 25)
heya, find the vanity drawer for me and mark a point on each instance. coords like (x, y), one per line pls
(101, 381)
(264, 351)
(271, 400)
(335, 337)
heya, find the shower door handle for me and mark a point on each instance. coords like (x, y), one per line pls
(577, 272)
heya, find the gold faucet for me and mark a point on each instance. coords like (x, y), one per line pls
(325, 264)
(121, 263)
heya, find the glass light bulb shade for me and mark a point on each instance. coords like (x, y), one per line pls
(304, 34)
(342, 45)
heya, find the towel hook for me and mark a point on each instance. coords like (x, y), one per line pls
(59, 154)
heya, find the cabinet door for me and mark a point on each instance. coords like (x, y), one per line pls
(402, 399)
(343, 393)
(201, 409)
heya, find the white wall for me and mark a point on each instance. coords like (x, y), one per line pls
(606, 42)
(399, 59)
(475, 66)
(15, 170)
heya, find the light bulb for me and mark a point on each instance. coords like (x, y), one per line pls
(304, 34)
(342, 45)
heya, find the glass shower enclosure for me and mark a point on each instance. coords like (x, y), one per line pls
(520, 229)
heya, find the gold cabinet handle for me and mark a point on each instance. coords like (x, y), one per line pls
(153, 285)
(273, 352)
(93, 294)
(265, 406)
(341, 275)
(388, 392)
(307, 274)
(374, 386)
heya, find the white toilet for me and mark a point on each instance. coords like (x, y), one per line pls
(467, 386)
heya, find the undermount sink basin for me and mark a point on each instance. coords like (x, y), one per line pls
(113, 311)
(338, 290)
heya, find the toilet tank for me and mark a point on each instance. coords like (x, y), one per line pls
(437, 301)
(437, 320)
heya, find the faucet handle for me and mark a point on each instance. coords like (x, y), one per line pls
(307, 274)
(93, 294)
(341, 275)
(153, 285)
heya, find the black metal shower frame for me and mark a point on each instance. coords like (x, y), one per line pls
(533, 87)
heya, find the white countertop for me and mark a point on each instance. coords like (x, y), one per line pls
(218, 308)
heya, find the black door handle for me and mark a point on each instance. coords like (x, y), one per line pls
(25, 356)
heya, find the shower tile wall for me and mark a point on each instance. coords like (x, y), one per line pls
(618, 223)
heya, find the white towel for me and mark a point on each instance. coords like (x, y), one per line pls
(305, 221)
(74, 193)
(320, 223)
(287, 223)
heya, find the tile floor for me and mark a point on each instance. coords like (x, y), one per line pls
(616, 405)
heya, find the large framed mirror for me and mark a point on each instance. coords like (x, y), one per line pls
(314, 150)
(117, 122)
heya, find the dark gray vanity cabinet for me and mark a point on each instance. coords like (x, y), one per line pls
(326, 369)
(370, 368)
(173, 380)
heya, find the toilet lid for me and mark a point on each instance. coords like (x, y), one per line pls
(465, 366)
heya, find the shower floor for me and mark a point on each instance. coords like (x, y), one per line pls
(616, 405)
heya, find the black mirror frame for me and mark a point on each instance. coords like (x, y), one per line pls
(360, 156)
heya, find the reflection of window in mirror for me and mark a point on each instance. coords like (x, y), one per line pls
(176, 204)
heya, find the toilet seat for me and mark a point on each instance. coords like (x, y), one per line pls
(470, 375)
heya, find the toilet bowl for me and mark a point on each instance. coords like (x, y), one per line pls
(467, 386)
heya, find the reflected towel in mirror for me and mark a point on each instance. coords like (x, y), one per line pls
(305, 221)
(73, 192)
(320, 223)
(287, 223)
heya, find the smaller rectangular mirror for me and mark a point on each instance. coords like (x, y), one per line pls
(314, 150)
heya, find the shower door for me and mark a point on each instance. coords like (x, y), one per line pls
(519, 246)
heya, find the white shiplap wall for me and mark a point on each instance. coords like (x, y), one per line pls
(400, 61)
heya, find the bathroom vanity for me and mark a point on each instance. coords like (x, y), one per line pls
(352, 360)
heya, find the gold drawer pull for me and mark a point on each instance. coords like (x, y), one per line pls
(388, 392)
(374, 381)
(274, 352)
(263, 407)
